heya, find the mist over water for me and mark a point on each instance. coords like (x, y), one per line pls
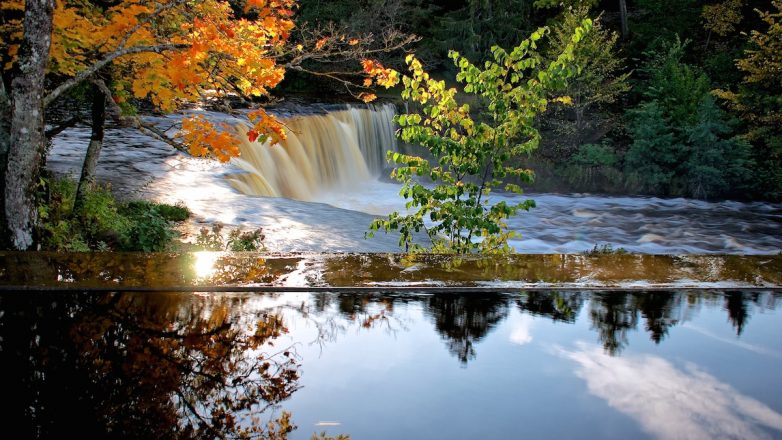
(320, 191)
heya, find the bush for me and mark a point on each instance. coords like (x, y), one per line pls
(172, 213)
(594, 167)
(238, 240)
(102, 223)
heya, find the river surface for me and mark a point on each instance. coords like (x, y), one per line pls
(341, 207)
(609, 365)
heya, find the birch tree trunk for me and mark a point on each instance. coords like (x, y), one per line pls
(27, 139)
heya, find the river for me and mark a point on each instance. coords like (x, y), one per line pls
(320, 191)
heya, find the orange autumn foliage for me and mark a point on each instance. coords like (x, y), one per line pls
(382, 76)
(177, 52)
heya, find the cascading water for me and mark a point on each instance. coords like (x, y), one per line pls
(323, 152)
(331, 163)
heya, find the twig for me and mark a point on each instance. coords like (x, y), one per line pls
(52, 132)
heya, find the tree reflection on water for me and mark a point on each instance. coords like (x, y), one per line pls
(151, 366)
(184, 365)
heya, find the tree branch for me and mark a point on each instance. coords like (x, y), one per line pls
(151, 130)
(52, 132)
(84, 74)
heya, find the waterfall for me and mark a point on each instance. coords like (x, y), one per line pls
(330, 151)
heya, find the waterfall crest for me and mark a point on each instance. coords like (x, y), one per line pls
(323, 152)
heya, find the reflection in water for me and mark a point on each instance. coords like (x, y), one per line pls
(221, 365)
(673, 403)
(153, 366)
(463, 320)
(558, 306)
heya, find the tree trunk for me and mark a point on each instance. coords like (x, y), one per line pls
(87, 179)
(623, 15)
(27, 140)
(5, 143)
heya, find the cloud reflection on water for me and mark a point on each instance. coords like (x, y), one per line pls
(672, 403)
(520, 332)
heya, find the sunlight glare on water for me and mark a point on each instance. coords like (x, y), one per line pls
(340, 211)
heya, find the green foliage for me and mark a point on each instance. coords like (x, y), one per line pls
(478, 25)
(97, 226)
(545, 4)
(681, 141)
(758, 102)
(676, 86)
(102, 223)
(172, 213)
(599, 83)
(716, 164)
(657, 21)
(595, 155)
(594, 167)
(655, 152)
(473, 156)
(237, 241)
(606, 249)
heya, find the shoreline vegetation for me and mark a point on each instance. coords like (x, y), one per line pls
(105, 222)
(640, 101)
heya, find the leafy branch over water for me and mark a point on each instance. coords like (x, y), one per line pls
(473, 153)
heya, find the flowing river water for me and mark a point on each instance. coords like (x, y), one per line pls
(321, 189)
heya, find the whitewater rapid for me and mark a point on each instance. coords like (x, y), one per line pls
(338, 218)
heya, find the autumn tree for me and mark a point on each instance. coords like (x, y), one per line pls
(758, 101)
(721, 18)
(148, 366)
(169, 54)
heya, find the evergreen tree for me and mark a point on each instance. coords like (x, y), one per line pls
(655, 152)
(717, 165)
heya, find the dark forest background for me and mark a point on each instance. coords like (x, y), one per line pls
(675, 97)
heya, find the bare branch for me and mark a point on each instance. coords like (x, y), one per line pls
(84, 74)
(52, 132)
(154, 132)
(115, 112)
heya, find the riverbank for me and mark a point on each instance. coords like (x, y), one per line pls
(138, 166)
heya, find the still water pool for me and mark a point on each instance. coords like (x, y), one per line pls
(533, 364)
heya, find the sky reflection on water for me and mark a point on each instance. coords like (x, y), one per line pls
(492, 365)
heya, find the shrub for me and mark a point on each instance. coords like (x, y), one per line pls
(473, 152)
(102, 223)
(238, 240)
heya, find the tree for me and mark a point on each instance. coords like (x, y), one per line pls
(473, 153)
(716, 164)
(758, 102)
(721, 18)
(599, 82)
(677, 87)
(478, 25)
(26, 128)
(168, 53)
(655, 153)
